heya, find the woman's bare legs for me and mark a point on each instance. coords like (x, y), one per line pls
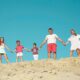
(0, 58)
(71, 53)
(78, 52)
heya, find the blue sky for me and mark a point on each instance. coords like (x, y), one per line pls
(29, 20)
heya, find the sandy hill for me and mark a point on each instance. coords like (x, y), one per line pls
(64, 69)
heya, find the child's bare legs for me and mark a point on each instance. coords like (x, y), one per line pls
(6, 58)
(21, 58)
(17, 58)
(54, 56)
(0, 58)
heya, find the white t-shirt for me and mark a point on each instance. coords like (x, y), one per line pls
(75, 42)
(51, 38)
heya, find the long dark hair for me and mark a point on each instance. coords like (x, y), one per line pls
(74, 32)
(1, 41)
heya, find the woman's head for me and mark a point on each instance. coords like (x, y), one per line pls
(73, 32)
(18, 42)
(1, 40)
(50, 30)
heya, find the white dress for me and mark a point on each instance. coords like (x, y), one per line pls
(2, 49)
(75, 42)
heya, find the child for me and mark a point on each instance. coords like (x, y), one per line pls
(34, 50)
(19, 50)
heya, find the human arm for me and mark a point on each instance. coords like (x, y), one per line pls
(42, 44)
(59, 39)
(67, 42)
(28, 50)
(8, 48)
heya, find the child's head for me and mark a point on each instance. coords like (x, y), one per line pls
(50, 30)
(34, 44)
(1, 40)
(18, 42)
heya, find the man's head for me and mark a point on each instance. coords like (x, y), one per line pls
(73, 32)
(18, 42)
(50, 30)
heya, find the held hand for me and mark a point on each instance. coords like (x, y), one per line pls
(39, 48)
(12, 51)
(64, 43)
(26, 49)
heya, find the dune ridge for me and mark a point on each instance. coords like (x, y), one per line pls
(64, 69)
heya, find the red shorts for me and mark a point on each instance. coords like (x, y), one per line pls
(52, 47)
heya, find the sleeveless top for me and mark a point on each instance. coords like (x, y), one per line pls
(2, 49)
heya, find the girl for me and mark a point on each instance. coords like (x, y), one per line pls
(2, 50)
(19, 50)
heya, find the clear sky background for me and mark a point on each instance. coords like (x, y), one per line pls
(29, 20)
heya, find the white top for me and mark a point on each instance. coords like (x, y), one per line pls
(75, 42)
(2, 48)
(51, 38)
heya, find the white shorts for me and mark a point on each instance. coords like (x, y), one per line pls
(19, 54)
(2, 51)
(35, 57)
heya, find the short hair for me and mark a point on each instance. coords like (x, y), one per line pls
(50, 29)
(17, 41)
(34, 44)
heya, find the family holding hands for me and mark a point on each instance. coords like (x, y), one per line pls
(50, 39)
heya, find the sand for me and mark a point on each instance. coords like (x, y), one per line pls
(64, 69)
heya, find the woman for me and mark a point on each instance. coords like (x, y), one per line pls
(2, 50)
(75, 42)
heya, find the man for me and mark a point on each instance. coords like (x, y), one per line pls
(51, 41)
(75, 42)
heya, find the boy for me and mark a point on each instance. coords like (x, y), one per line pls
(51, 42)
(34, 50)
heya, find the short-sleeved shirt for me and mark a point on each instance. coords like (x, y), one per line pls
(75, 41)
(19, 49)
(34, 50)
(51, 38)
